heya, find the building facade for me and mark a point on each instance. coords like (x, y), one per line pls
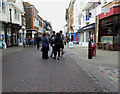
(70, 19)
(109, 20)
(32, 23)
(87, 16)
(12, 27)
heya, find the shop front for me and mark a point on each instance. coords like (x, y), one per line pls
(86, 33)
(109, 29)
(31, 34)
(13, 34)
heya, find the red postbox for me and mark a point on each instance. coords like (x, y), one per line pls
(93, 50)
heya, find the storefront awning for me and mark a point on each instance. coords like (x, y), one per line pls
(91, 26)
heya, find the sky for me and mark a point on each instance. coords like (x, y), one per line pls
(52, 11)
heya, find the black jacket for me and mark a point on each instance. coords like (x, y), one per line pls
(58, 42)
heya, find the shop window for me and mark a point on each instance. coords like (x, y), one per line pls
(107, 34)
(87, 36)
(117, 35)
(117, 18)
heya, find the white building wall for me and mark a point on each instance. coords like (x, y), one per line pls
(88, 7)
(3, 14)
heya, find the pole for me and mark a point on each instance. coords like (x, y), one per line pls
(89, 50)
(95, 34)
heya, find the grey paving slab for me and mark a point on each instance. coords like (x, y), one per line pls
(104, 71)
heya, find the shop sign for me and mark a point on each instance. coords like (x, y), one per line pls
(105, 10)
(2, 35)
(89, 27)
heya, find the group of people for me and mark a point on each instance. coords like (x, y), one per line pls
(57, 43)
(29, 42)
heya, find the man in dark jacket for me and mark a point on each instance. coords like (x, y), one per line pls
(58, 42)
(38, 39)
(45, 47)
(52, 43)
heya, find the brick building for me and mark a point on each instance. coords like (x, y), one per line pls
(33, 23)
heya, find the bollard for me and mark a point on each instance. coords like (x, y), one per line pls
(89, 50)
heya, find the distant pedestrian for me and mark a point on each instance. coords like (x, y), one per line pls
(32, 42)
(27, 42)
(52, 43)
(58, 43)
(38, 40)
(62, 45)
(45, 46)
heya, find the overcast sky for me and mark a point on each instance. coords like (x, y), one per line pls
(53, 11)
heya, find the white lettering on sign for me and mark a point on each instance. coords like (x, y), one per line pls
(105, 10)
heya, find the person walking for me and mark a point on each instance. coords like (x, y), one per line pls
(27, 42)
(45, 46)
(58, 42)
(38, 39)
(52, 43)
(62, 45)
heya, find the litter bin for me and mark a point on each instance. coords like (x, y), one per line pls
(70, 44)
(93, 50)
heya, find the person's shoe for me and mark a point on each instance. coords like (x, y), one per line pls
(54, 57)
(58, 58)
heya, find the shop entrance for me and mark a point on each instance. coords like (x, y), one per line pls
(14, 38)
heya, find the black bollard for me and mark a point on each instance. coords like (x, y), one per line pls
(89, 50)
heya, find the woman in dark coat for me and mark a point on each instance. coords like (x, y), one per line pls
(45, 46)
(58, 44)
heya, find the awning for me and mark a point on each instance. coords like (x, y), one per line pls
(80, 30)
(91, 26)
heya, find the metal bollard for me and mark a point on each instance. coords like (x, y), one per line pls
(89, 50)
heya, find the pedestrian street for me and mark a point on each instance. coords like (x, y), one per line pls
(24, 70)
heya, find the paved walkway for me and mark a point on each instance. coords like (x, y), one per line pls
(25, 71)
(105, 63)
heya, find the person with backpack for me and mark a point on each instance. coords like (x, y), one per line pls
(58, 42)
(52, 43)
(45, 46)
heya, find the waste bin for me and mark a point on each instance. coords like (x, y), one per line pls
(93, 50)
(70, 45)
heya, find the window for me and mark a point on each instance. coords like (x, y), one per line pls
(0, 3)
(18, 16)
(3, 7)
(15, 12)
(117, 18)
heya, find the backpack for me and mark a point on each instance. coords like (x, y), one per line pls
(62, 37)
(52, 40)
(59, 42)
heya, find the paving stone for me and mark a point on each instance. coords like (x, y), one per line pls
(26, 71)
